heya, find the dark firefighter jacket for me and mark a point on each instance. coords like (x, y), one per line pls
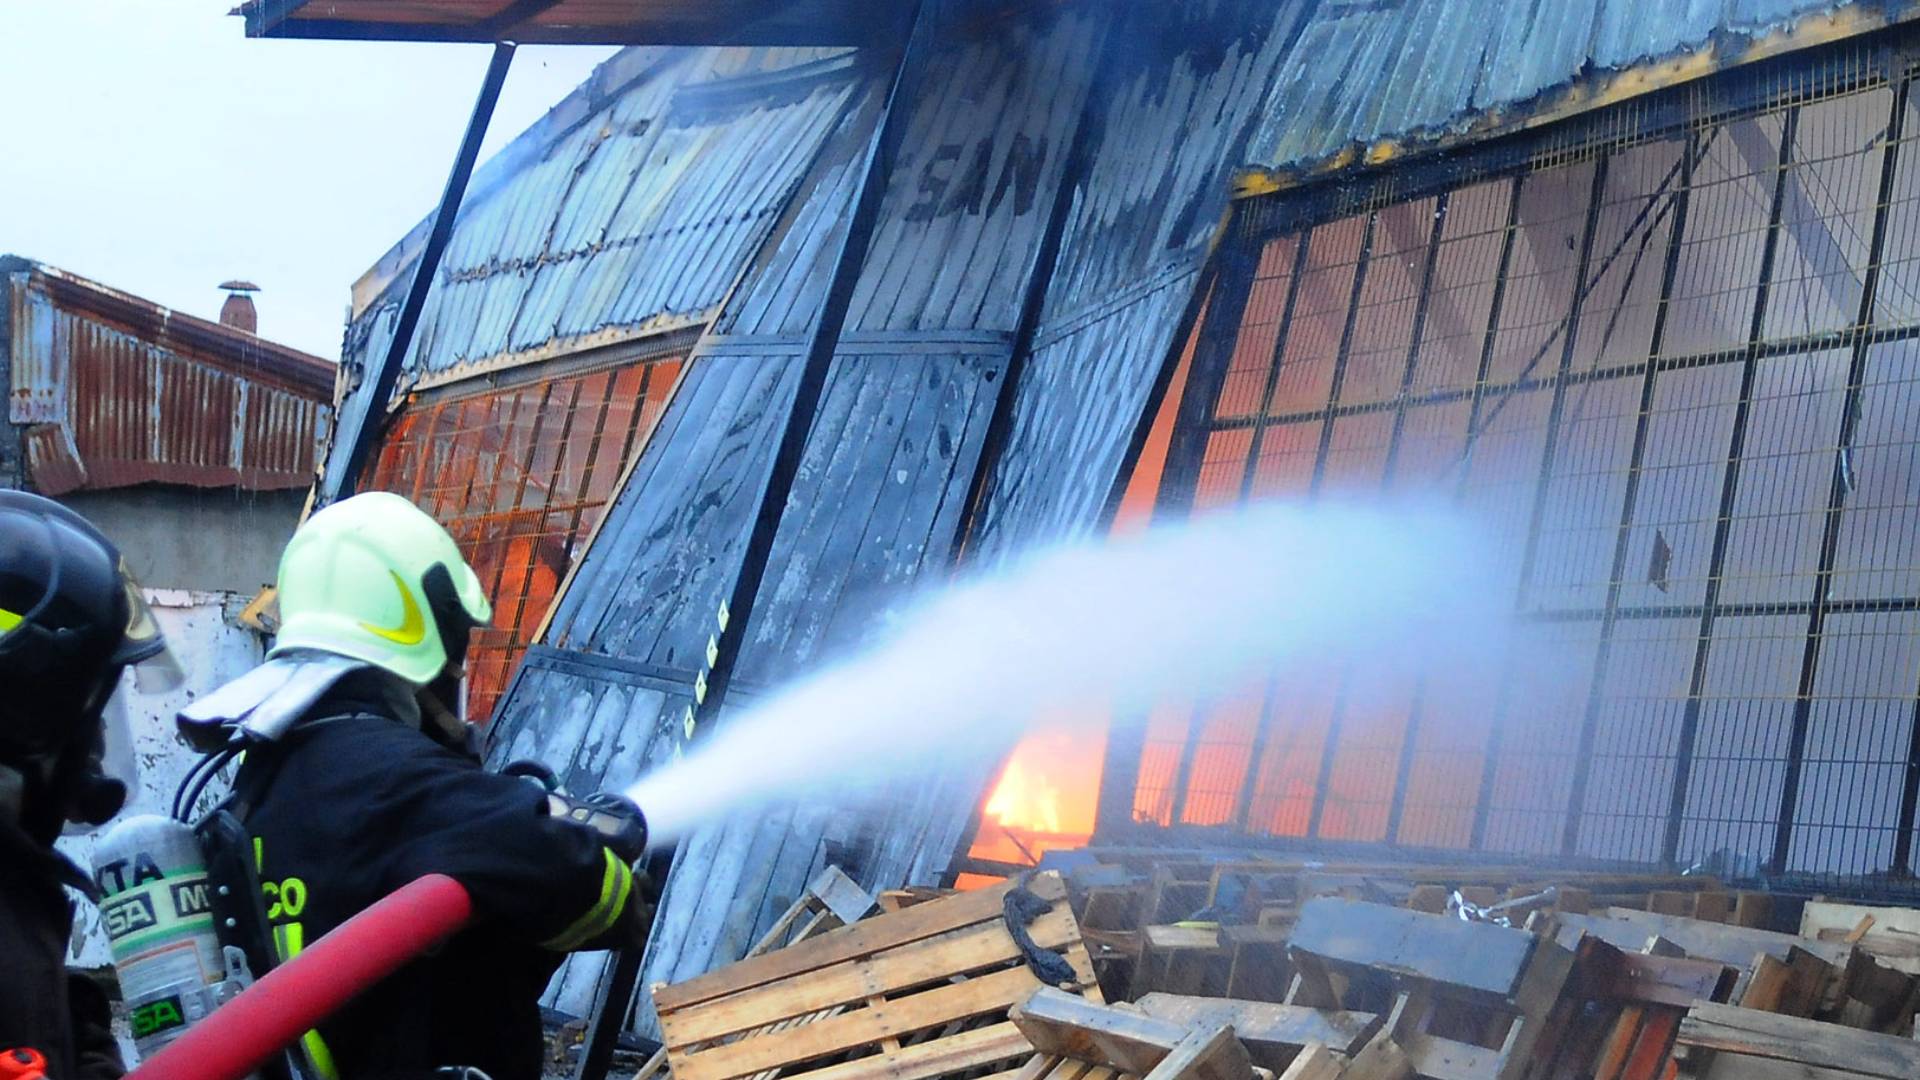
(43, 1006)
(355, 803)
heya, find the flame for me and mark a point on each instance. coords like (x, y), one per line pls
(1024, 800)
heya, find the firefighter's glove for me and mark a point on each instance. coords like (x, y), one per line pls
(619, 823)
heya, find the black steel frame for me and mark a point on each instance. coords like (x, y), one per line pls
(1886, 59)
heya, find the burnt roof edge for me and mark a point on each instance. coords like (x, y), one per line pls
(1587, 91)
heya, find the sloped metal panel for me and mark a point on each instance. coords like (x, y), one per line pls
(638, 218)
(1157, 185)
(634, 218)
(887, 471)
(1364, 72)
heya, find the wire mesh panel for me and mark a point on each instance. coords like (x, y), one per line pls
(1668, 358)
(520, 477)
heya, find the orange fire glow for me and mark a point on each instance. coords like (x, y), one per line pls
(1024, 801)
(1045, 797)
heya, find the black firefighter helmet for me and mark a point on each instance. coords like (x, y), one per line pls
(71, 620)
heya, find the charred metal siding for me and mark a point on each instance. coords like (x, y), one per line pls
(1363, 73)
(882, 487)
(108, 391)
(1180, 102)
(634, 220)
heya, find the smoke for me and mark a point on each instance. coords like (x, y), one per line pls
(1186, 612)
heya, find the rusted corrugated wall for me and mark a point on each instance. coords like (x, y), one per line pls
(107, 391)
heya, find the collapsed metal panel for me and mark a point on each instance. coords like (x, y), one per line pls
(1363, 75)
(1670, 366)
(631, 220)
(885, 476)
(1177, 104)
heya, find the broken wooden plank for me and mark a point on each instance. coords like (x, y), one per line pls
(1056, 1022)
(882, 1019)
(1791, 987)
(1257, 964)
(1204, 1055)
(1645, 979)
(1664, 902)
(1749, 1033)
(1314, 1062)
(1710, 941)
(955, 1053)
(1752, 909)
(863, 938)
(1712, 906)
(1893, 938)
(1381, 1059)
(1272, 1033)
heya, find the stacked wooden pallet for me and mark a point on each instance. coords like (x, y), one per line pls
(915, 994)
(1000, 984)
(1196, 926)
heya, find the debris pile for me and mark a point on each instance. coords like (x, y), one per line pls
(1267, 970)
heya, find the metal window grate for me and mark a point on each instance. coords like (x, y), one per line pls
(520, 477)
(1672, 354)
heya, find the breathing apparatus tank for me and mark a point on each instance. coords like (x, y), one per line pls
(157, 905)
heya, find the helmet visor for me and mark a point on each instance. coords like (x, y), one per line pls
(155, 667)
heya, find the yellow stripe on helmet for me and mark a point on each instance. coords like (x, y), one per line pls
(8, 620)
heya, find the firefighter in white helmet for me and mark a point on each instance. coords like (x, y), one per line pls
(71, 620)
(359, 776)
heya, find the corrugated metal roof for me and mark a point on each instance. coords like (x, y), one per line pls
(635, 219)
(1363, 73)
(1175, 121)
(627, 211)
(111, 390)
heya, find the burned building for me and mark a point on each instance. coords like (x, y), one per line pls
(1631, 283)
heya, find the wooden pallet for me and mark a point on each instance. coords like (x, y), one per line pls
(1469, 1001)
(1720, 1042)
(912, 995)
(832, 900)
(1183, 1038)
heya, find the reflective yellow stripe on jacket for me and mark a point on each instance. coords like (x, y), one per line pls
(615, 885)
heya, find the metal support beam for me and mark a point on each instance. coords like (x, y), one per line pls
(616, 1001)
(1410, 736)
(1837, 497)
(1336, 717)
(1238, 260)
(1729, 491)
(1489, 763)
(341, 481)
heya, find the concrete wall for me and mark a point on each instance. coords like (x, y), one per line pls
(214, 650)
(196, 539)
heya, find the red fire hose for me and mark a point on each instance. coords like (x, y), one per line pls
(268, 1016)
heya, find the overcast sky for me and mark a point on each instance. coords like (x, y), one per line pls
(149, 145)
